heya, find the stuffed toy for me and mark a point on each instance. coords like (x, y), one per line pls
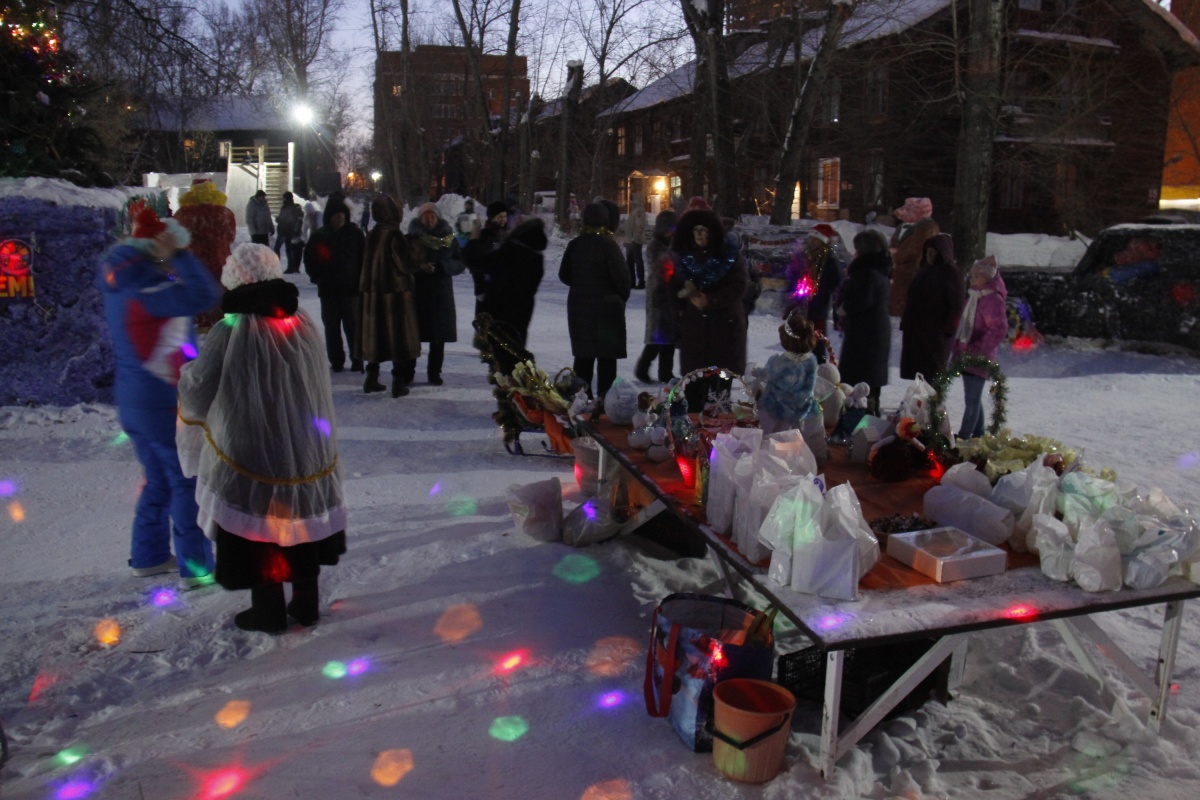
(829, 393)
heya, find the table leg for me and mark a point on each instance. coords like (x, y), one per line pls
(723, 568)
(958, 666)
(1172, 623)
(835, 660)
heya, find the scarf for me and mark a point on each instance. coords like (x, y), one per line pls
(967, 324)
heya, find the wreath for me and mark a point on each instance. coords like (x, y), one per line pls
(942, 381)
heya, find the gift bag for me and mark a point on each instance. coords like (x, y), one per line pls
(1052, 542)
(1097, 563)
(834, 549)
(793, 510)
(697, 641)
(728, 449)
(747, 516)
(1033, 490)
(537, 509)
(591, 522)
(978, 516)
(918, 401)
(791, 446)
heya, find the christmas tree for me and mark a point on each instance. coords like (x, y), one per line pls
(42, 130)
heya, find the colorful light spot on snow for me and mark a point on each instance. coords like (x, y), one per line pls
(589, 511)
(121, 438)
(40, 684)
(323, 426)
(437, 487)
(1187, 460)
(1020, 611)
(1023, 344)
(391, 766)
(508, 729)
(108, 632)
(510, 662)
(612, 655)
(74, 790)
(1174, 688)
(457, 623)
(831, 622)
(358, 666)
(223, 783)
(233, 713)
(8, 488)
(334, 670)
(608, 790)
(188, 349)
(611, 699)
(16, 511)
(576, 568)
(71, 755)
(161, 598)
(462, 506)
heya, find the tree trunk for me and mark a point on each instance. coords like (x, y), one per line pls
(500, 158)
(977, 134)
(570, 101)
(525, 161)
(804, 107)
(721, 97)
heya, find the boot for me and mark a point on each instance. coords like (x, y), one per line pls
(372, 383)
(266, 612)
(435, 380)
(398, 387)
(642, 370)
(356, 365)
(666, 361)
(303, 607)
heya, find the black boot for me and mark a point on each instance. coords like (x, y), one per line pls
(398, 387)
(303, 608)
(266, 612)
(356, 365)
(642, 370)
(372, 383)
(666, 362)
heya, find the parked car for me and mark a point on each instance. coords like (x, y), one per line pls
(1136, 282)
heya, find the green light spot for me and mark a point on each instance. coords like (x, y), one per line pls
(508, 729)
(461, 506)
(335, 670)
(71, 755)
(576, 568)
(230, 319)
(121, 438)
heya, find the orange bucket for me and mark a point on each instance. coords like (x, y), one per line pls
(751, 724)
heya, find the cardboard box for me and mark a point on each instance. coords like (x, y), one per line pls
(946, 554)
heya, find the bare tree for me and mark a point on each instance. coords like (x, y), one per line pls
(705, 24)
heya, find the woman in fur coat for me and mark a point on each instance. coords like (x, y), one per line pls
(935, 299)
(256, 429)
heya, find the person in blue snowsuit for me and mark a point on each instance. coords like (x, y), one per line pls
(152, 287)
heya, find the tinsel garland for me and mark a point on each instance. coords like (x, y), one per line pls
(437, 242)
(942, 381)
(486, 340)
(599, 230)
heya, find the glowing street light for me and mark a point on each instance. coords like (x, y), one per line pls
(376, 175)
(303, 114)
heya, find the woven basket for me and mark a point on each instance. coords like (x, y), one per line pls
(688, 440)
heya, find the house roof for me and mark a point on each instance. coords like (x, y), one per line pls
(552, 108)
(256, 113)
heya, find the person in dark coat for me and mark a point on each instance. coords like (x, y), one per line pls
(387, 329)
(436, 317)
(594, 269)
(866, 325)
(930, 320)
(290, 221)
(516, 271)
(707, 286)
(333, 259)
(488, 241)
(661, 323)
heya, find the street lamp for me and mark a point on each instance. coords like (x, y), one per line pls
(303, 115)
(375, 176)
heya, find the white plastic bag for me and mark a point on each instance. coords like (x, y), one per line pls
(1052, 542)
(790, 446)
(537, 509)
(918, 401)
(759, 479)
(591, 522)
(1097, 563)
(797, 508)
(1147, 568)
(978, 516)
(1033, 490)
(1083, 497)
(835, 549)
(966, 477)
(728, 449)
(621, 401)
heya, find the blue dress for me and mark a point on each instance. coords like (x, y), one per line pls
(788, 381)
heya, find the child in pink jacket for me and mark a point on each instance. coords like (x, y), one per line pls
(981, 329)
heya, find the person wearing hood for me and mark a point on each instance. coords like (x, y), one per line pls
(387, 329)
(258, 218)
(661, 323)
(594, 269)
(152, 286)
(333, 259)
(436, 315)
(930, 320)
(984, 325)
(866, 326)
(917, 227)
(517, 269)
(495, 227)
(256, 429)
(291, 223)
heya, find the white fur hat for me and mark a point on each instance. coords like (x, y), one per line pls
(250, 263)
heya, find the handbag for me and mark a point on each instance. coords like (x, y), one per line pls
(697, 641)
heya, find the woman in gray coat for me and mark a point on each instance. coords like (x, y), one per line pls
(594, 269)
(661, 325)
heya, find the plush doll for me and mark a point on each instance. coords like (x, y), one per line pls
(829, 394)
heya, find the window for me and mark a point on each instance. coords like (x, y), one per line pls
(637, 140)
(621, 140)
(676, 188)
(833, 100)
(1011, 188)
(397, 90)
(829, 182)
(873, 179)
(876, 90)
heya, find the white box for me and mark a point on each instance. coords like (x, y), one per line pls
(946, 554)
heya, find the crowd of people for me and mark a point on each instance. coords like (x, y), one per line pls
(226, 464)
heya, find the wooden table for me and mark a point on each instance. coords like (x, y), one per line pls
(898, 604)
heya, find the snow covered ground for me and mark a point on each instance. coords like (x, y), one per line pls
(458, 659)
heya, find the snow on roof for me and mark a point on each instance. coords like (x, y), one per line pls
(1076, 141)
(222, 114)
(1067, 37)
(65, 193)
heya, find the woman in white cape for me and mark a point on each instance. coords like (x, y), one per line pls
(256, 428)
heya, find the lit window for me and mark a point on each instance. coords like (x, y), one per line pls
(829, 182)
(621, 141)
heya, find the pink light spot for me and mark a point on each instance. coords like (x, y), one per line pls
(1187, 460)
(7, 488)
(74, 790)
(223, 784)
(189, 349)
(437, 487)
(163, 597)
(611, 699)
(1023, 344)
(510, 662)
(358, 666)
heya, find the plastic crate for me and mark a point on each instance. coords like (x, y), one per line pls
(867, 673)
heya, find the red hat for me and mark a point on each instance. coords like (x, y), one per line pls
(698, 202)
(143, 221)
(823, 232)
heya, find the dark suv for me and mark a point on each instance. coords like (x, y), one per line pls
(1136, 282)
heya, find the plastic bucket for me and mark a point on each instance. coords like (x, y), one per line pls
(750, 728)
